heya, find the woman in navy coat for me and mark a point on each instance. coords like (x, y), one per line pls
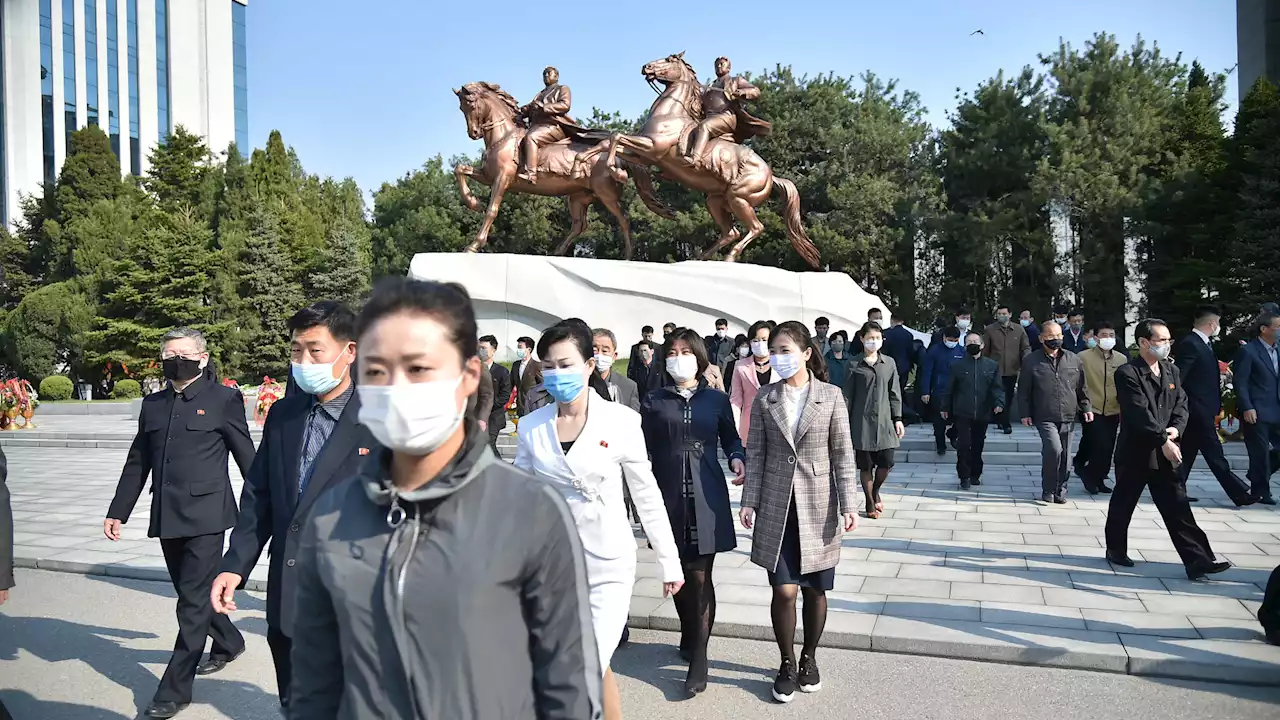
(685, 423)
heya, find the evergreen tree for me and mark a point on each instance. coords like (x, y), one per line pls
(179, 168)
(343, 273)
(45, 332)
(268, 288)
(1257, 218)
(15, 281)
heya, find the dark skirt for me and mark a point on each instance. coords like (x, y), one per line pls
(788, 570)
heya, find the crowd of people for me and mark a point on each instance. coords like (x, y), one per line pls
(400, 586)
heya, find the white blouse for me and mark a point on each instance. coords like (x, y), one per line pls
(795, 399)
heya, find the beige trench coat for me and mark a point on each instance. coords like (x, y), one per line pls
(816, 468)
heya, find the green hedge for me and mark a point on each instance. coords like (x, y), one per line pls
(56, 387)
(126, 389)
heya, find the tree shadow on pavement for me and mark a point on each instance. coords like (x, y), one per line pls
(21, 705)
(659, 665)
(244, 600)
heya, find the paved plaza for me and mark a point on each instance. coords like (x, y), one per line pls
(986, 575)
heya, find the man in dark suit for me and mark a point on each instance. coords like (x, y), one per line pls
(1074, 336)
(185, 433)
(1153, 416)
(497, 420)
(720, 345)
(646, 334)
(1198, 368)
(621, 390)
(899, 345)
(525, 374)
(1257, 381)
(6, 532)
(311, 442)
(647, 372)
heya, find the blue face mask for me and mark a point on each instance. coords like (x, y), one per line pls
(951, 344)
(316, 378)
(564, 384)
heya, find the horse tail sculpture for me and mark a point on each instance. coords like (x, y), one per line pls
(795, 228)
(644, 188)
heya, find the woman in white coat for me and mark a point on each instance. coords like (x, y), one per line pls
(585, 446)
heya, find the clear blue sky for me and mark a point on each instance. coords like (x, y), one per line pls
(363, 89)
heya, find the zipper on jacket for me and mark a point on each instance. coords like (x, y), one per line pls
(400, 575)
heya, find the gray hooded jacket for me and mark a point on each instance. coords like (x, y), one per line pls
(463, 600)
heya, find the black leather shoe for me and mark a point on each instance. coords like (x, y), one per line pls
(1244, 501)
(1121, 560)
(164, 709)
(1008, 430)
(965, 484)
(1060, 499)
(975, 481)
(1091, 490)
(1197, 573)
(1104, 489)
(1268, 500)
(213, 665)
(1192, 499)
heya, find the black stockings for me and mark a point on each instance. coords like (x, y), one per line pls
(871, 484)
(783, 611)
(696, 607)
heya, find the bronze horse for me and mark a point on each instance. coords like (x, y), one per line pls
(735, 179)
(491, 114)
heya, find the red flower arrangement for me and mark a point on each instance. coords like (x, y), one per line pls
(268, 392)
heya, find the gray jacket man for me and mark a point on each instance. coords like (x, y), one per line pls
(1051, 392)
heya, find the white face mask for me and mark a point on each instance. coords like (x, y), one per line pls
(1161, 351)
(760, 348)
(1107, 344)
(872, 346)
(785, 365)
(721, 333)
(604, 362)
(682, 368)
(1061, 321)
(411, 418)
(962, 324)
(744, 351)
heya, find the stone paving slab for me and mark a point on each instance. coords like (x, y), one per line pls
(991, 574)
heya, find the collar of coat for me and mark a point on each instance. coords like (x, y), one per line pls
(471, 459)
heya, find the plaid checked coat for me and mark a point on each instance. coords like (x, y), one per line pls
(817, 467)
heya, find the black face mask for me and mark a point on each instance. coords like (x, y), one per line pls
(1054, 344)
(180, 369)
(974, 349)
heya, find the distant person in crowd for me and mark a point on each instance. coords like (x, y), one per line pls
(837, 358)
(480, 404)
(900, 345)
(367, 646)
(667, 329)
(646, 334)
(741, 351)
(1050, 395)
(684, 425)
(873, 394)
(6, 532)
(1060, 314)
(821, 327)
(311, 442)
(720, 345)
(1090, 339)
(621, 389)
(185, 435)
(1153, 411)
(714, 377)
(1075, 339)
(799, 497)
(1256, 372)
(1007, 344)
(501, 377)
(525, 373)
(1098, 438)
(1202, 381)
(584, 447)
(1028, 323)
(974, 394)
(646, 373)
(876, 316)
(963, 319)
(933, 381)
(751, 374)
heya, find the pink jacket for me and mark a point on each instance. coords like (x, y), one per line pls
(743, 392)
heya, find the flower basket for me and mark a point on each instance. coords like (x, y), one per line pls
(268, 392)
(1228, 421)
(18, 400)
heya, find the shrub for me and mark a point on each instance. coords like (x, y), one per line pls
(56, 387)
(126, 389)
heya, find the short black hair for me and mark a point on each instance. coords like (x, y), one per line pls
(1060, 309)
(573, 330)
(669, 325)
(1263, 320)
(951, 332)
(722, 321)
(490, 340)
(330, 313)
(962, 310)
(1004, 307)
(646, 344)
(1102, 325)
(526, 341)
(1205, 311)
(757, 326)
(822, 321)
(1075, 312)
(868, 327)
(1270, 307)
(839, 334)
(447, 303)
(646, 330)
(1147, 326)
(740, 340)
(695, 343)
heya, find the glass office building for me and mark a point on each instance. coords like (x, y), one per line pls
(136, 68)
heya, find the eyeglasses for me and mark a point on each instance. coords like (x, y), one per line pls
(179, 356)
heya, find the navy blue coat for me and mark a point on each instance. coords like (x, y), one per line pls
(682, 433)
(1257, 387)
(937, 368)
(899, 344)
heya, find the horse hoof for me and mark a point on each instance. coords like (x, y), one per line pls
(619, 174)
(473, 247)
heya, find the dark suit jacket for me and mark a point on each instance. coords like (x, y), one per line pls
(1076, 345)
(899, 344)
(270, 508)
(524, 383)
(628, 392)
(1148, 405)
(1198, 368)
(647, 379)
(501, 394)
(6, 528)
(1257, 387)
(183, 443)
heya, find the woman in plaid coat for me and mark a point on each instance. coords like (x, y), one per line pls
(800, 495)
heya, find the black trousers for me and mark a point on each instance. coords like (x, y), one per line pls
(1262, 441)
(1097, 446)
(1010, 393)
(971, 438)
(193, 563)
(1201, 438)
(1170, 496)
(940, 423)
(281, 646)
(497, 421)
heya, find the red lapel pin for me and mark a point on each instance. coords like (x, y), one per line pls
(604, 444)
(364, 451)
(1170, 386)
(199, 412)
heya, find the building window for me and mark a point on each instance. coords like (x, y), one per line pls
(113, 77)
(46, 85)
(240, 62)
(162, 67)
(91, 60)
(69, 66)
(131, 20)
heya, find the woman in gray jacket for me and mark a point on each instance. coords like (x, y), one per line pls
(418, 596)
(875, 414)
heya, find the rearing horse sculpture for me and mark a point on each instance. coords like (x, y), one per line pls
(491, 114)
(735, 179)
